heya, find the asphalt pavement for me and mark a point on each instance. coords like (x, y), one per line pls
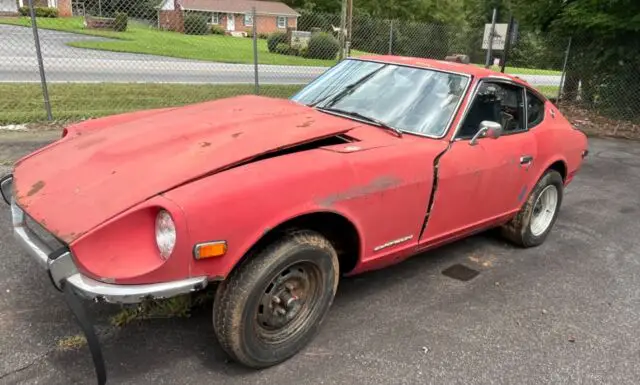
(567, 312)
(68, 64)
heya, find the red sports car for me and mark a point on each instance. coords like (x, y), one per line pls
(378, 159)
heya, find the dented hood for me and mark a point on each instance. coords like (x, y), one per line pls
(103, 167)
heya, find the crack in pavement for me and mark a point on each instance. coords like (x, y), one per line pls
(27, 366)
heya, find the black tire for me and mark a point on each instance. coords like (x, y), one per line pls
(518, 230)
(239, 311)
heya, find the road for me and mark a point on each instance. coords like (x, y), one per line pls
(68, 64)
(567, 312)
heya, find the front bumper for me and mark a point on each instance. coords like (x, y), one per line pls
(62, 269)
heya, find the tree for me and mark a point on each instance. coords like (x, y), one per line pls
(605, 55)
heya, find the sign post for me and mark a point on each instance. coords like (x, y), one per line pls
(510, 39)
(490, 40)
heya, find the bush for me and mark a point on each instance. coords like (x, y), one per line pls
(121, 22)
(323, 46)
(40, 11)
(217, 30)
(285, 49)
(274, 39)
(196, 25)
(262, 36)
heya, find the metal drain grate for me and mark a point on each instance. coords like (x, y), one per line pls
(460, 272)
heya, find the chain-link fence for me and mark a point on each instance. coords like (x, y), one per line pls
(102, 57)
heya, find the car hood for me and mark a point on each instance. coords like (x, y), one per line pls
(103, 167)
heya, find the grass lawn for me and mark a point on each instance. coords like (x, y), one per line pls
(548, 91)
(525, 71)
(143, 39)
(22, 103)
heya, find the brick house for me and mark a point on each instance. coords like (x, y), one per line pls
(64, 6)
(231, 15)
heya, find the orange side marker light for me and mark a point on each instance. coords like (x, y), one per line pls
(210, 249)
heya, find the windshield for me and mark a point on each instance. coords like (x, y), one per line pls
(414, 100)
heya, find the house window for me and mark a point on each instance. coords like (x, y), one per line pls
(215, 18)
(248, 20)
(282, 22)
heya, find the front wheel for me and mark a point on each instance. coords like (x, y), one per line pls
(272, 306)
(534, 221)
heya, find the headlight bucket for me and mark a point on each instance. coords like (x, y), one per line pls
(165, 234)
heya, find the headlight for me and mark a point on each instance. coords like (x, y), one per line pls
(165, 234)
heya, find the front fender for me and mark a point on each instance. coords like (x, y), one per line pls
(383, 193)
(242, 204)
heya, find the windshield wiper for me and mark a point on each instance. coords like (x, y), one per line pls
(348, 89)
(369, 119)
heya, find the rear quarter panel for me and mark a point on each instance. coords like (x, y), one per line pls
(383, 192)
(558, 141)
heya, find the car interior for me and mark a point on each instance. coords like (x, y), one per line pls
(501, 103)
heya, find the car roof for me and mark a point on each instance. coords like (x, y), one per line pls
(461, 68)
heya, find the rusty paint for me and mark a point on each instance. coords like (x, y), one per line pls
(205, 144)
(306, 124)
(377, 185)
(522, 193)
(236, 134)
(35, 188)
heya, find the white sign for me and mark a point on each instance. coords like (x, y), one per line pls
(300, 39)
(499, 36)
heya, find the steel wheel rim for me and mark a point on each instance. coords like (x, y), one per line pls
(544, 210)
(298, 289)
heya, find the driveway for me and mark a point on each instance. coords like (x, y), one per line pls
(68, 64)
(567, 312)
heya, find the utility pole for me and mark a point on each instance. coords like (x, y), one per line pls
(343, 27)
(349, 25)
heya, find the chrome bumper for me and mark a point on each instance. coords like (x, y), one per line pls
(62, 269)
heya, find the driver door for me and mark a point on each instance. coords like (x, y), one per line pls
(482, 182)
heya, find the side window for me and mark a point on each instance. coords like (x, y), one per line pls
(497, 102)
(535, 110)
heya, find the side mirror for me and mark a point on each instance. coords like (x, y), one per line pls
(488, 129)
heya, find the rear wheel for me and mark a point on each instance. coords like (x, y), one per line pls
(536, 218)
(272, 306)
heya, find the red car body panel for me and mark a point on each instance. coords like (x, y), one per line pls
(97, 171)
(365, 186)
(220, 170)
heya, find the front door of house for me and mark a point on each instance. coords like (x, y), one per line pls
(231, 22)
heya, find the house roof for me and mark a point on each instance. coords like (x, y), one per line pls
(275, 8)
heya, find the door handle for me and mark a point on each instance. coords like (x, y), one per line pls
(526, 160)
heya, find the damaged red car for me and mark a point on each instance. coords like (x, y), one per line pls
(378, 159)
